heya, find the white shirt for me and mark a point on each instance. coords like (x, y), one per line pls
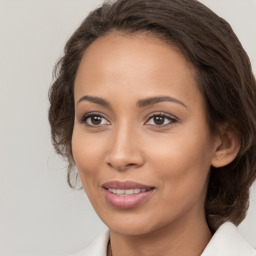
(225, 242)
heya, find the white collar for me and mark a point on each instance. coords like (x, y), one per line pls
(225, 242)
(98, 247)
(228, 242)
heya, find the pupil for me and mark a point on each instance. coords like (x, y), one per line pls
(96, 120)
(159, 120)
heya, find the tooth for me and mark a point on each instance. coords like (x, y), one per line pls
(129, 191)
(136, 191)
(119, 191)
(112, 190)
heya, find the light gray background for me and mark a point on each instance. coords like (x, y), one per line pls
(39, 214)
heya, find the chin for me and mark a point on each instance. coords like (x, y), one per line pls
(135, 229)
(132, 224)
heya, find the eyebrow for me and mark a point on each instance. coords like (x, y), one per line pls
(140, 103)
(96, 100)
(154, 100)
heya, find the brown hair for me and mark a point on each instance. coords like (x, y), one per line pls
(224, 76)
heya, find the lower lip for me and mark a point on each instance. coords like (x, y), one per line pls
(128, 201)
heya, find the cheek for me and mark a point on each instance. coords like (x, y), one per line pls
(179, 151)
(87, 152)
(182, 160)
(182, 169)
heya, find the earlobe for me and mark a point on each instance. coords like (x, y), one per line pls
(227, 147)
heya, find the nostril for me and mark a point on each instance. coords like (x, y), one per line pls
(131, 164)
(121, 159)
(121, 166)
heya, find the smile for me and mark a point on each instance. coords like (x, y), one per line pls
(126, 191)
(124, 195)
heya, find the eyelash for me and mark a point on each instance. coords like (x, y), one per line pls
(84, 119)
(172, 120)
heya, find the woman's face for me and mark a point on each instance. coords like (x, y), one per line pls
(141, 142)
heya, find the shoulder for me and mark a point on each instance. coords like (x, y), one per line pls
(228, 242)
(98, 247)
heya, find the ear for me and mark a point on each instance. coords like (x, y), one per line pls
(227, 146)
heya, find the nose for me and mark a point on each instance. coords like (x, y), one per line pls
(125, 150)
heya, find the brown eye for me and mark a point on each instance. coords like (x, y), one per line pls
(94, 120)
(161, 120)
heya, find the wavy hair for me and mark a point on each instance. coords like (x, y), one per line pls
(224, 77)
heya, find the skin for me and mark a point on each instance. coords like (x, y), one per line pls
(127, 144)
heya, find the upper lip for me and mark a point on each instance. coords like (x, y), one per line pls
(125, 185)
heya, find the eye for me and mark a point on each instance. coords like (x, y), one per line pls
(161, 119)
(94, 120)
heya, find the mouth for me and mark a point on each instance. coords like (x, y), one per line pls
(126, 194)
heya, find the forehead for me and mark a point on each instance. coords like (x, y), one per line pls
(140, 49)
(138, 62)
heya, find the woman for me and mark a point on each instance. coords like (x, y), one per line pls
(154, 103)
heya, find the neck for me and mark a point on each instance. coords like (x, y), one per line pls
(190, 238)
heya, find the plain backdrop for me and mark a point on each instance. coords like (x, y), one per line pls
(39, 213)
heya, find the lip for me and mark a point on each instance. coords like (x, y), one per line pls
(126, 201)
(126, 185)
